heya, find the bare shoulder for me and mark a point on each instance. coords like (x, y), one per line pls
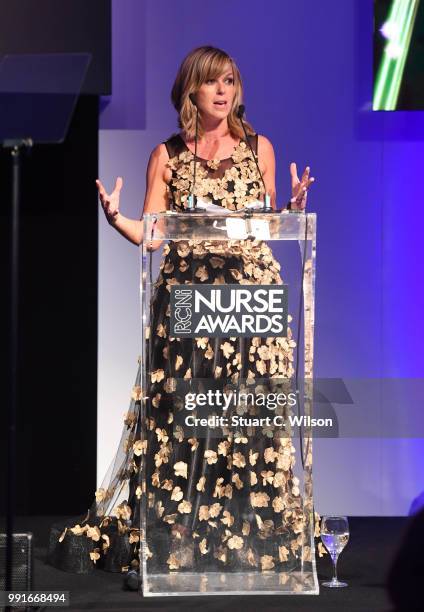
(265, 145)
(157, 163)
(159, 154)
(266, 154)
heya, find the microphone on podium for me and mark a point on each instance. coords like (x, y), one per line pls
(192, 198)
(267, 201)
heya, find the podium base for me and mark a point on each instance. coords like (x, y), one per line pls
(241, 583)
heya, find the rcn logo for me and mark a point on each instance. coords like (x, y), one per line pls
(228, 310)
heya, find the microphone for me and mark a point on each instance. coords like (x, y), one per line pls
(192, 198)
(267, 203)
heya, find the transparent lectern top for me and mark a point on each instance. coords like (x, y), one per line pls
(286, 225)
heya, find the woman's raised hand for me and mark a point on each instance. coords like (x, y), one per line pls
(110, 202)
(299, 187)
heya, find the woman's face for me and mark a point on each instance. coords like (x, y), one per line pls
(215, 97)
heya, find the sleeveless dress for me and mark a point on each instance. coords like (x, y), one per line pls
(228, 502)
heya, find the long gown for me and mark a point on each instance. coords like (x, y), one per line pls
(228, 502)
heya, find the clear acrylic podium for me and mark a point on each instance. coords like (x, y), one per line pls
(225, 489)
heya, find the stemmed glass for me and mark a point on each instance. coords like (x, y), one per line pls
(334, 536)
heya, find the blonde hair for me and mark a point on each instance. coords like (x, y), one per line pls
(197, 67)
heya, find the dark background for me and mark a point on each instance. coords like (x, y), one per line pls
(61, 26)
(57, 420)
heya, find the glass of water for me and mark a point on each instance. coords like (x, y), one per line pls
(334, 536)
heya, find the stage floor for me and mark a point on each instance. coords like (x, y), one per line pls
(363, 564)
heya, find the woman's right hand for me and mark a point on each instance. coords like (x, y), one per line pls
(110, 202)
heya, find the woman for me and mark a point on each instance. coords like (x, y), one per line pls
(203, 507)
(215, 80)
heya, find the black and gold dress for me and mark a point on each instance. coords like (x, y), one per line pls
(230, 501)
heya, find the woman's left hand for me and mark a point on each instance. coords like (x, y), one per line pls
(299, 187)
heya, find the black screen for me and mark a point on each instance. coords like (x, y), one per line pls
(61, 26)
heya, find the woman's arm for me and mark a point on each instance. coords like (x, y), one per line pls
(266, 158)
(155, 200)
